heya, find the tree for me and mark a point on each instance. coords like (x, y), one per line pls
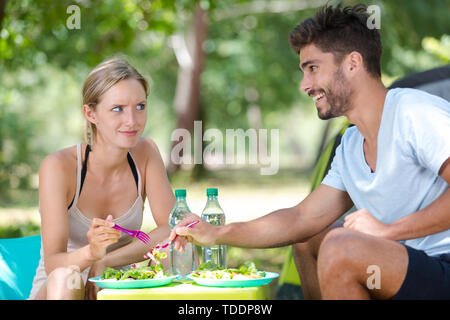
(2, 11)
(249, 73)
(190, 56)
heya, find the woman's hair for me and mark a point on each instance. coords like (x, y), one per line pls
(99, 80)
(341, 30)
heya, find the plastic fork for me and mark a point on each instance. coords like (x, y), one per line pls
(189, 225)
(134, 233)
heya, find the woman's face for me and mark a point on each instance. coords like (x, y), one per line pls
(121, 114)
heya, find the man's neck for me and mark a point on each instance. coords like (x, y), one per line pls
(368, 104)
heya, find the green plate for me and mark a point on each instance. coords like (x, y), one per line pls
(235, 283)
(131, 284)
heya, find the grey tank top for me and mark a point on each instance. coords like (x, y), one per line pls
(79, 223)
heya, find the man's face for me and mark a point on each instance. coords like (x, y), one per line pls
(324, 82)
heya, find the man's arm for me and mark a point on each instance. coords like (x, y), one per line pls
(279, 228)
(432, 219)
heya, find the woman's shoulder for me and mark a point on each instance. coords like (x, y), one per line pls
(63, 160)
(58, 173)
(146, 149)
(148, 157)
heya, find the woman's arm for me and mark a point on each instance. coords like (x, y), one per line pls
(161, 201)
(135, 251)
(157, 187)
(53, 195)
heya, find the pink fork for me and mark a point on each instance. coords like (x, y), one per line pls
(134, 233)
(189, 225)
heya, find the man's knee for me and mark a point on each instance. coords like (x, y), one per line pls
(337, 251)
(311, 247)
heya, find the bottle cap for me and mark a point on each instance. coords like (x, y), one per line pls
(212, 192)
(180, 193)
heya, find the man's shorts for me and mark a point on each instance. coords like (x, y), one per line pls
(427, 277)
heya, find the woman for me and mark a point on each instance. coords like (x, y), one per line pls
(85, 189)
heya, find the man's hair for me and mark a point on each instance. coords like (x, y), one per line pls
(341, 30)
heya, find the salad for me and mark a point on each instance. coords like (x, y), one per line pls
(155, 255)
(245, 272)
(140, 273)
(135, 273)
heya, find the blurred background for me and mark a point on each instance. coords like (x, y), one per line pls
(226, 63)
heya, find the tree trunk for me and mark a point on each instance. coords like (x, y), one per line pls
(190, 57)
(2, 11)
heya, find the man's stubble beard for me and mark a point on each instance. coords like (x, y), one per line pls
(338, 96)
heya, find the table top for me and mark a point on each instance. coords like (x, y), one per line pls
(186, 290)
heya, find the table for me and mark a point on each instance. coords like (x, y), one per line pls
(186, 290)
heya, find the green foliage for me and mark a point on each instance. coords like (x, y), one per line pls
(15, 158)
(403, 26)
(248, 63)
(440, 49)
(35, 121)
(36, 31)
(19, 230)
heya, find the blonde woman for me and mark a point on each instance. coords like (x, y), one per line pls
(85, 189)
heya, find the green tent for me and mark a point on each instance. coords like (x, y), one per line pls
(289, 282)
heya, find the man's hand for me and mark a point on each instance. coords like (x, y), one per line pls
(363, 221)
(202, 234)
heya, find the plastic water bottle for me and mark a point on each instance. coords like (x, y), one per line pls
(213, 213)
(181, 263)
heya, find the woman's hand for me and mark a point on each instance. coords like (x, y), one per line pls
(100, 236)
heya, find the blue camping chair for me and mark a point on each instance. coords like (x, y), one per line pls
(19, 259)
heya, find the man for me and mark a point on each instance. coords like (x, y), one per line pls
(393, 166)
